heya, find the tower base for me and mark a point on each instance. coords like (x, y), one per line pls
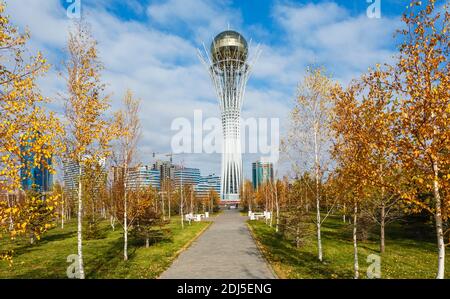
(230, 197)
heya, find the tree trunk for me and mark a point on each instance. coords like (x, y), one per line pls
(181, 200)
(79, 230)
(125, 216)
(181, 209)
(382, 226)
(192, 201)
(147, 243)
(210, 203)
(319, 237)
(277, 206)
(11, 221)
(169, 200)
(271, 209)
(266, 208)
(343, 216)
(438, 218)
(355, 242)
(163, 209)
(112, 221)
(62, 209)
(318, 220)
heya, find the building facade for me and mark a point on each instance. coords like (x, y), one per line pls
(166, 169)
(206, 184)
(186, 176)
(71, 172)
(36, 178)
(262, 172)
(143, 177)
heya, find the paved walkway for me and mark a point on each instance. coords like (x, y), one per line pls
(226, 250)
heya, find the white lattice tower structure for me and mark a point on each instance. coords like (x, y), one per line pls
(229, 72)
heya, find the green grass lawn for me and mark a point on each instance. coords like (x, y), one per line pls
(410, 252)
(103, 258)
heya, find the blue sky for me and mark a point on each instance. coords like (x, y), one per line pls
(150, 47)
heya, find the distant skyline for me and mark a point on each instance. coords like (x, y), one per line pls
(150, 47)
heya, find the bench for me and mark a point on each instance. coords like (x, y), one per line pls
(256, 216)
(195, 217)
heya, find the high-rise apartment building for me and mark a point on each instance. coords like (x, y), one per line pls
(262, 172)
(186, 176)
(207, 183)
(142, 177)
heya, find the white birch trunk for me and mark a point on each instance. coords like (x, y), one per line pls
(277, 206)
(355, 242)
(181, 210)
(112, 221)
(343, 216)
(181, 201)
(163, 208)
(62, 208)
(271, 208)
(11, 221)
(318, 219)
(79, 230)
(192, 201)
(438, 218)
(382, 228)
(125, 215)
(169, 200)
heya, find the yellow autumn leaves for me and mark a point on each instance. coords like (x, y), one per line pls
(26, 130)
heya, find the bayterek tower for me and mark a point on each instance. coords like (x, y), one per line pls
(229, 72)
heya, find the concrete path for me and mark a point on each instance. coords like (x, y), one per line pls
(225, 250)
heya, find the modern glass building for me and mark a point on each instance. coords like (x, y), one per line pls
(262, 172)
(206, 184)
(36, 178)
(144, 176)
(71, 172)
(33, 177)
(187, 176)
(166, 169)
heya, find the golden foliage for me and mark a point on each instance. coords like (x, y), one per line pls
(26, 128)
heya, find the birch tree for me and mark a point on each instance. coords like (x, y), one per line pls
(27, 129)
(349, 151)
(423, 84)
(247, 195)
(308, 141)
(129, 127)
(377, 132)
(88, 132)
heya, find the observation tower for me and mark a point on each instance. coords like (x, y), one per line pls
(229, 71)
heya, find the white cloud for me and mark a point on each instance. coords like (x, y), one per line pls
(324, 34)
(157, 58)
(202, 17)
(299, 20)
(46, 20)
